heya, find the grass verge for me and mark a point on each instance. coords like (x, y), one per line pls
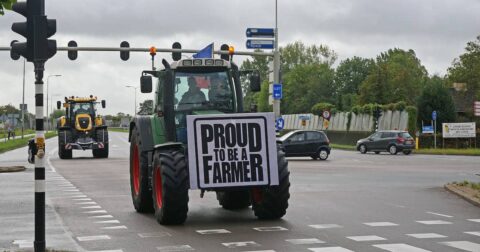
(470, 191)
(19, 142)
(467, 152)
(343, 146)
(118, 129)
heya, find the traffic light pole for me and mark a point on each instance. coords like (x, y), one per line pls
(39, 243)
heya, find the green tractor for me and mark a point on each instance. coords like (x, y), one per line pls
(81, 128)
(198, 115)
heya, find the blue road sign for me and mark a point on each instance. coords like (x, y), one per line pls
(427, 129)
(260, 44)
(260, 32)
(279, 123)
(434, 115)
(277, 91)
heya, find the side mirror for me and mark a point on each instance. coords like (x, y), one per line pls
(255, 82)
(59, 104)
(146, 84)
(103, 103)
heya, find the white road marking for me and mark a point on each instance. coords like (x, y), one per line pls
(91, 207)
(324, 226)
(434, 222)
(260, 251)
(240, 244)
(473, 233)
(439, 214)
(71, 190)
(305, 241)
(175, 248)
(108, 222)
(213, 231)
(115, 227)
(52, 168)
(427, 235)
(395, 205)
(474, 220)
(270, 229)
(23, 243)
(366, 238)
(400, 247)
(380, 224)
(86, 203)
(96, 211)
(93, 238)
(463, 245)
(112, 250)
(78, 196)
(101, 216)
(330, 249)
(154, 235)
(83, 199)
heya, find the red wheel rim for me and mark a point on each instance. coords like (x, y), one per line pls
(158, 187)
(257, 195)
(136, 170)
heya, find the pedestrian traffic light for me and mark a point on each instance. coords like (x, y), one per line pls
(25, 29)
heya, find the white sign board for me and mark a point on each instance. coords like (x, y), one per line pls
(476, 108)
(232, 150)
(458, 130)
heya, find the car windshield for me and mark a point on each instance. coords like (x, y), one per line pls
(284, 137)
(203, 91)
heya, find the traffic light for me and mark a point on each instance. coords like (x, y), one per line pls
(225, 47)
(124, 55)
(37, 29)
(73, 55)
(176, 56)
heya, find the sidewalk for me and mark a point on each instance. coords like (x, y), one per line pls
(17, 207)
(4, 139)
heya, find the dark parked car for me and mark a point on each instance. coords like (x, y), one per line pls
(391, 141)
(309, 143)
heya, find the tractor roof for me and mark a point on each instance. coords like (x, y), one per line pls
(81, 99)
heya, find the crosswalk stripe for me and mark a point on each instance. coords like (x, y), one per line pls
(380, 224)
(434, 222)
(400, 247)
(473, 233)
(366, 238)
(305, 241)
(93, 238)
(325, 226)
(330, 249)
(427, 235)
(464, 245)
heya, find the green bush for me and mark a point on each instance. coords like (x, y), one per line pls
(356, 109)
(368, 108)
(400, 106)
(412, 119)
(318, 108)
(390, 106)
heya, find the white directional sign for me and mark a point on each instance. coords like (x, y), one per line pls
(458, 130)
(476, 108)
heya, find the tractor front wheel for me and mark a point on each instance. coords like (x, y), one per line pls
(170, 187)
(141, 193)
(272, 202)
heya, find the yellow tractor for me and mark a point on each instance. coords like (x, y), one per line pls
(81, 128)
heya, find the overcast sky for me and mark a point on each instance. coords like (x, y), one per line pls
(437, 30)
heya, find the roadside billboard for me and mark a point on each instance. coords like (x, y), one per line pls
(458, 130)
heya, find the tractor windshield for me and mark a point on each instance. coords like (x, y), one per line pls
(204, 91)
(82, 108)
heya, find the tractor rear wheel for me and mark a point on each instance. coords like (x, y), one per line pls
(272, 202)
(101, 135)
(140, 188)
(64, 137)
(170, 187)
(233, 200)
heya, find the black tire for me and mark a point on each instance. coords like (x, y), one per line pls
(392, 149)
(139, 177)
(170, 187)
(101, 135)
(314, 157)
(64, 137)
(272, 202)
(362, 148)
(233, 200)
(407, 152)
(323, 154)
(377, 152)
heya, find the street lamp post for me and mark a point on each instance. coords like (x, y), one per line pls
(48, 78)
(128, 86)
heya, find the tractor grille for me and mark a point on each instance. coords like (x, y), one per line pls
(83, 122)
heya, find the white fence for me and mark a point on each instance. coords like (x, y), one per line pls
(390, 120)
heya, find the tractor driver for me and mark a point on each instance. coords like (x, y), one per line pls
(194, 97)
(219, 93)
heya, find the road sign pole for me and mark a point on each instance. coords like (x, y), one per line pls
(23, 99)
(276, 65)
(434, 134)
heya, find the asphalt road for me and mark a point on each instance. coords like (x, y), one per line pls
(351, 202)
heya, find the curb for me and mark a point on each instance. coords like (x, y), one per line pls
(459, 193)
(12, 168)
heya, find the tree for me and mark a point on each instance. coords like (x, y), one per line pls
(297, 53)
(9, 109)
(6, 5)
(146, 107)
(398, 75)
(305, 86)
(349, 74)
(466, 68)
(435, 96)
(259, 63)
